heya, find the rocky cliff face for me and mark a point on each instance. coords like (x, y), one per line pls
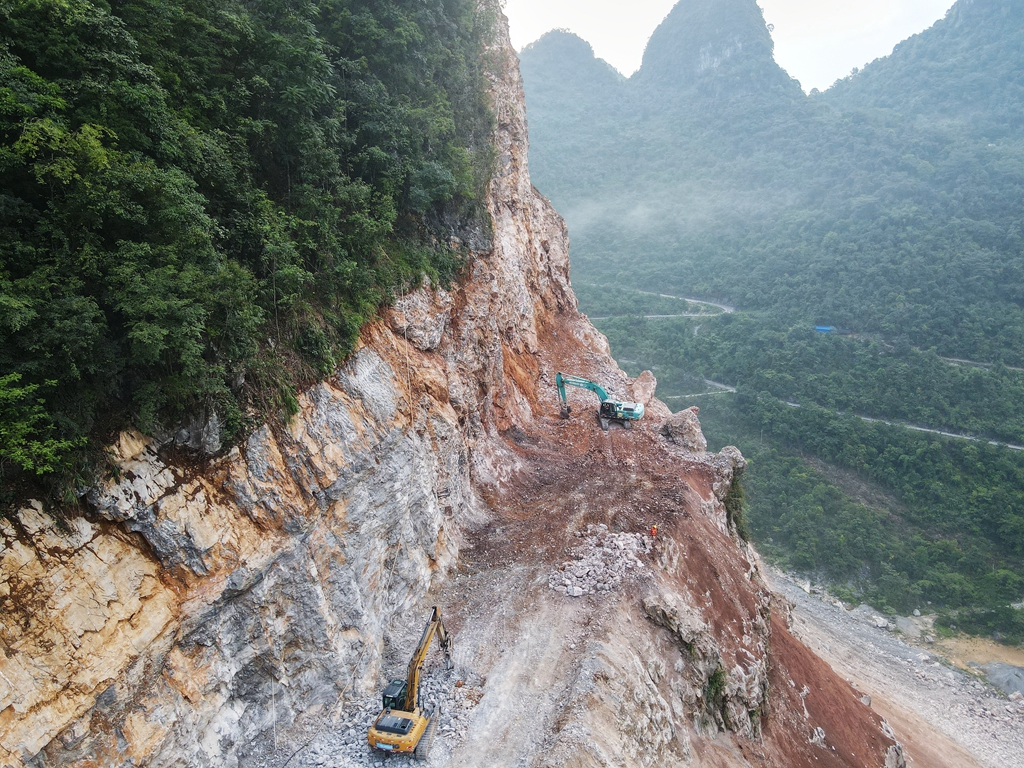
(199, 608)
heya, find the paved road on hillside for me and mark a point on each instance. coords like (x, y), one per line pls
(975, 363)
(724, 307)
(929, 430)
(725, 389)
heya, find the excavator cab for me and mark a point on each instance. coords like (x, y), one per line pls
(624, 413)
(394, 694)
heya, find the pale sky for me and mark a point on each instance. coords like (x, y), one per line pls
(816, 41)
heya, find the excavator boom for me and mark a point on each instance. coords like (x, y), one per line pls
(562, 379)
(434, 626)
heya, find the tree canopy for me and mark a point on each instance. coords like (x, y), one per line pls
(202, 202)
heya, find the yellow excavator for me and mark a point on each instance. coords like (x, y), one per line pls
(403, 726)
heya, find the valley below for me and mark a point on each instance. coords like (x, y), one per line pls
(860, 249)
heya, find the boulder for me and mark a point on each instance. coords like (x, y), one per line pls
(643, 387)
(683, 429)
(1007, 678)
(908, 627)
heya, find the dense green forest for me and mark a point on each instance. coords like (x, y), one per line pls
(866, 376)
(901, 518)
(202, 202)
(890, 206)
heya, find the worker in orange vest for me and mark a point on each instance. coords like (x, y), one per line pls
(654, 530)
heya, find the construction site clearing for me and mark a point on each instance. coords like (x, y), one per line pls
(600, 670)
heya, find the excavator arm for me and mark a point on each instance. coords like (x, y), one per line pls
(562, 381)
(434, 627)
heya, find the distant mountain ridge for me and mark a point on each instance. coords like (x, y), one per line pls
(710, 169)
(966, 70)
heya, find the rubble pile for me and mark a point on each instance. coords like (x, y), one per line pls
(600, 563)
(456, 697)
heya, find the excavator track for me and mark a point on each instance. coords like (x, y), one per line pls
(422, 751)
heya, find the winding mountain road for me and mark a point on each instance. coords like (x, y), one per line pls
(929, 430)
(725, 308)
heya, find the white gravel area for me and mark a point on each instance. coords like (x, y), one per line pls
(343, 745)
(600, 562)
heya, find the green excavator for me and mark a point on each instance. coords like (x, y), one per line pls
(403, 725)
(624, 413)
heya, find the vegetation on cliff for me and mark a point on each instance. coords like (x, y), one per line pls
(891, 206)
(202, 202)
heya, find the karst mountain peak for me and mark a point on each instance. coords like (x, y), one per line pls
(722, 49)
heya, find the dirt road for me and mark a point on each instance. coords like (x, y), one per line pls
(945, 718)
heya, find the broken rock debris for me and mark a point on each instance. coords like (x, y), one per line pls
(601, 562)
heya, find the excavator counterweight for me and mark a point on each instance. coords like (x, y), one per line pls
(403, 726)
(625, 413)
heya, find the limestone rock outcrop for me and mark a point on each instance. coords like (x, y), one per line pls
(683, 429)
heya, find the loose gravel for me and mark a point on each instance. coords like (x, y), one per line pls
(343, 745)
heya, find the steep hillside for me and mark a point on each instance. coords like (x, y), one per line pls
(569, 119)
(963, 75)
(202, 203)
(229, 611)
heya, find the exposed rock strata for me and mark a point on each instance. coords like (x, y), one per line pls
(195, 609)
